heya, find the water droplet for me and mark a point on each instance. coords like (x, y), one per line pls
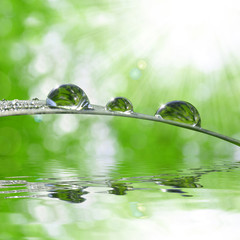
(68, 96)
(180, 111)
(119, 104)
(20, 105)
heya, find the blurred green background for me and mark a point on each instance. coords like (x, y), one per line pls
(150, 52)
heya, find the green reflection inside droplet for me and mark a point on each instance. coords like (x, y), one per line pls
(180, 111)
(68, 96)
(120, 104)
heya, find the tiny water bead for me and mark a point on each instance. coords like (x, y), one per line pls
(16, 105)
(180, 111)
(68, 96)
(119, 104)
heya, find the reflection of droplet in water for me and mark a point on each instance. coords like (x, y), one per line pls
(174, 190)
(119, 188)
(68, 96)
(120, 104)
(180, 111)
(69, 195)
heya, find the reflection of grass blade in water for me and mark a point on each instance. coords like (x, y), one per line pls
(70, 99)
(75, 190)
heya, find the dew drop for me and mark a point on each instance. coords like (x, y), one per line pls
(119, 104)
(68, 96)
(180, 111)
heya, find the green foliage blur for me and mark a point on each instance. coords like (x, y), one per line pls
(47, 43)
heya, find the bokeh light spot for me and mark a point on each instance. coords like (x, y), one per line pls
(142, 64)
(135, 73)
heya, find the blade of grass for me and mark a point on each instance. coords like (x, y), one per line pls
(40, 107)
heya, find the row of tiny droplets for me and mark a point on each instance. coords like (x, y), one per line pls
(16, 105)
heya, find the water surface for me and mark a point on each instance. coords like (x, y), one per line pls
(143, 198)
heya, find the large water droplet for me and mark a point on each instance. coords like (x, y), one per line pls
(68, 96)
(180, 111)
(119, 104)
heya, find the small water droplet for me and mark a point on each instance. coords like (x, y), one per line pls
(68, 96)
(20, 105)
(119, 104)
(180, 111)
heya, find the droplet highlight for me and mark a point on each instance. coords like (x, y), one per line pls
(120, 104)
(68, 96)
(180, 111)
